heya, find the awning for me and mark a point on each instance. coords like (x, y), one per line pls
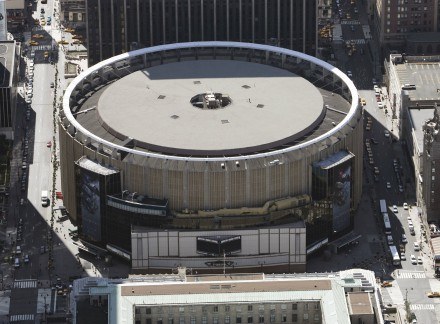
(334, 160)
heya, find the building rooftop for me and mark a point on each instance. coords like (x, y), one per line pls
(165, 290)
(7, 57)
(94, 166)
(146, 105)
(418, 117)
(360, 303)
(424, 75)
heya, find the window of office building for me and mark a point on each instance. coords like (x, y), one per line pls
(294, 318)
(261, 318)
(249, 308)
(294, 306)
(284, 318)
(238, 319)
(227, 319)
(250, 319)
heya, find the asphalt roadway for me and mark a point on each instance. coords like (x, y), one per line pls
(410, 281)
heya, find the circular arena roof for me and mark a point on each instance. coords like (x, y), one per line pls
(267, 109)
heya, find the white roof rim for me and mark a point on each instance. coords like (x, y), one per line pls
(167, 47)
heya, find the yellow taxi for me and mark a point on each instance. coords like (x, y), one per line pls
(363, 102)
(46, 54)
(77, 41)
(43, 22)
(63, 42)
(433, 294)
(33, 43)
(38, 36)
(77, 37)
(69, 30)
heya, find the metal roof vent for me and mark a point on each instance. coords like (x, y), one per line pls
(197, 82)
(161, 97)
(174, 116)
(260, 106)
(245, 86)
(225, 121)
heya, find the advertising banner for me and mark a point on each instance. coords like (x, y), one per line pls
(90, 205)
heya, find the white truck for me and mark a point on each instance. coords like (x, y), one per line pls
(44, 198)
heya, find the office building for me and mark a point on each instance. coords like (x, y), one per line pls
(396, 20)
(118, 26)
(344, 297)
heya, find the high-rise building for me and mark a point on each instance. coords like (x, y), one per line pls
(395, 20)
(9, 65)
(431, 162)
(118, 26)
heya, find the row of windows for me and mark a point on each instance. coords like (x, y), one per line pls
(228, 308)
(238, 319)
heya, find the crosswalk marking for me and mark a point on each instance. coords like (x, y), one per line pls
(43, 48)
(23, 317)
(411, 275)
(25, 283)
(359, 41)
(350, 22)
(421, 306)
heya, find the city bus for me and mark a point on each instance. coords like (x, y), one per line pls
(395, 255)
(386, 224)
(383, 206)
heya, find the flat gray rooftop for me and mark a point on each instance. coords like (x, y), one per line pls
(418, 118)
(426, 77)
(153, 107)
(269, 107)
(7, 56)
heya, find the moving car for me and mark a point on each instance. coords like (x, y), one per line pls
(413, 259)
(405, 206)
(388, 185)
(386, 284)
(404, 239)
(386, 133)
(402, 256)
(419, 260)
(416, 246)
(395, 209)
(433, 294)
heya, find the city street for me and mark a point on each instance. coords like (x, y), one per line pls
(410, 282)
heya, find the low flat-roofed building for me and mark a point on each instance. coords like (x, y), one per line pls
(231, 298)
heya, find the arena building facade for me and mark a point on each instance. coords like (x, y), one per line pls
(212, 154)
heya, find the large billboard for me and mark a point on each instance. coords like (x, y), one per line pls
(341, 196)
(331, 188)
(90, 204)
